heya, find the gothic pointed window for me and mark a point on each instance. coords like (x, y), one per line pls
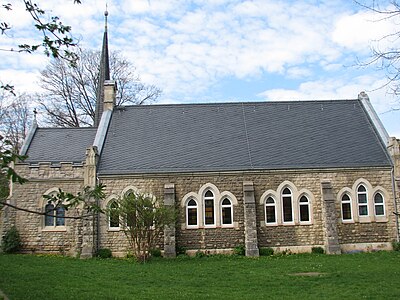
(113, 218)
(226, 212)
(379, 205)
(54, 215)
(346, 208)
(131, 215)
(270, 211)
(49, 217)
(304, 209)
(362, 200)
(191, 213)
(287, 205)
(209, 211)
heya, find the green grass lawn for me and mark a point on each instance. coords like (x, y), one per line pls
(349, 276)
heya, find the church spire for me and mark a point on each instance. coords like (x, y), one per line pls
(104, 74)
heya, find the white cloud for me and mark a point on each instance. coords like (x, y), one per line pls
(358, 31)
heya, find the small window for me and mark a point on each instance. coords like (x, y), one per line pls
(379, 205)
(287, 205)
(49, 218)
(191, 213)
(226, 212)
(346, 208)
(55, 215)
(270, 211)
(362, 200)
(113, 215)
(130, 216)
(209, 215)
(304, 209)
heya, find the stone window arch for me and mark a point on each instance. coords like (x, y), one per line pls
(54, 213)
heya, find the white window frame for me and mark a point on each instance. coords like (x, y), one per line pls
(204, 208)
(283, 208)
(275, 210)
(113, 228)
(349, 202)
(222, 206)
(187, 213)
(379, 204)
(358, 193)
(308, 204)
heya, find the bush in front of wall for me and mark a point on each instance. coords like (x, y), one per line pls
(396, 246)
(317, 250)
(240, 250)
(266, 251)
(104, 253)
(155, 252)
(11, 241)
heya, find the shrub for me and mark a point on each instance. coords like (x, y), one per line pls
(240, 250)
(266, 251)
(200, 254)
(180, 250)
(317, 250)
(396, 246)
(104, 253)
(11, 241)
(155, 252)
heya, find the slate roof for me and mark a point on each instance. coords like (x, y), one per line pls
(60, 145)
(241, 136)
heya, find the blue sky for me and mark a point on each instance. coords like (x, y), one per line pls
(220, 50)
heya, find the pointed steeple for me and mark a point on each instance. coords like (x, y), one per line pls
(104, 75)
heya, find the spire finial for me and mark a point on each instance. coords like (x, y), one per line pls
(105, 18)
(34, 116)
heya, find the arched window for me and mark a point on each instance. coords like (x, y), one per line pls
(113, 215)
(55, 215)
(191, 213)
(209, 213)
(362, 200)
(287, 205)
(130, 215)
(270, 211)
(379, 205)
(226, 212)
(60, 216)
(304, 209)
(49, 218)
(346, 208)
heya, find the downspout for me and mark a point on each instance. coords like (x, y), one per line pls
(395, 205)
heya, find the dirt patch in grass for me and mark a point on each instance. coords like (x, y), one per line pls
(308, 274)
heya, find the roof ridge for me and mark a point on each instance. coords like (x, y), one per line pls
(238, 103)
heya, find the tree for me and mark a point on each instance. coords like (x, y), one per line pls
(144, 218)
(14, 118)
(70, 91)
(386, 57)
(55, 38)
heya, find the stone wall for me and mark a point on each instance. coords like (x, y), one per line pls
(42, 179)
(296, 235)
(281, 236)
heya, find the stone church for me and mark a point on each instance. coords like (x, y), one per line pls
(286, 175)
